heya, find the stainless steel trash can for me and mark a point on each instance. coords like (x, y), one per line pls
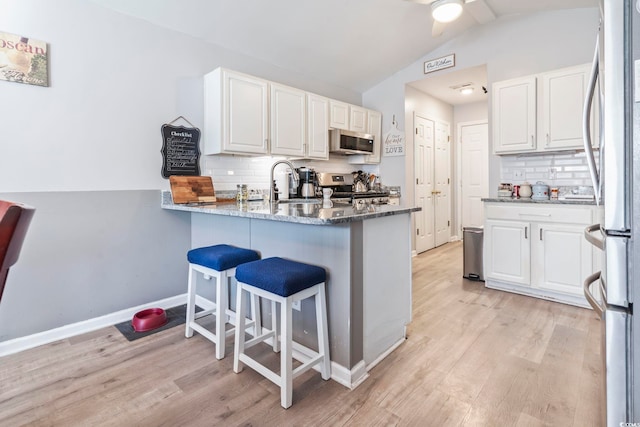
(472, 253)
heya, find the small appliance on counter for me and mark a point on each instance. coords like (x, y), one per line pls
(345, 189)
(307, 184)
(540, 191)
(525, 191)
(505, 190)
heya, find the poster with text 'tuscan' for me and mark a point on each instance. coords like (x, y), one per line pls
(23, 60)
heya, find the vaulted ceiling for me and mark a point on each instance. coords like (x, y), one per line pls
(349, 43)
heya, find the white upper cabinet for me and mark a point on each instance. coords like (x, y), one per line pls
(541, 113)
(317, 146)
(288, 120)
(338, 115)
(563, 94)
(514, 115)
(357, 119)
(236, 113)
(374, 127)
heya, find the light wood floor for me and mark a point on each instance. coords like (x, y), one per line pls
(474, 357)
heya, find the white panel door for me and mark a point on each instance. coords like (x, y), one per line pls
(424, 188)
(474, 172)
(442, 181)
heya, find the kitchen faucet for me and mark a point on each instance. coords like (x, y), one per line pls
(294, 176)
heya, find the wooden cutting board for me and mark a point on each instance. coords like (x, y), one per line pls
(192, 189)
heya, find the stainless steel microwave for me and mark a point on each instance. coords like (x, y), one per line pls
(347, 142)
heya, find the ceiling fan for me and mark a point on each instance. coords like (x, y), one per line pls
(445, 11)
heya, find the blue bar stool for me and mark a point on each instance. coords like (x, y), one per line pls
(220, 262)
(285, 282)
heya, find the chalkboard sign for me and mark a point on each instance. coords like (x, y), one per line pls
(180, 151)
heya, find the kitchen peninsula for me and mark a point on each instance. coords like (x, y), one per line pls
(366, 251)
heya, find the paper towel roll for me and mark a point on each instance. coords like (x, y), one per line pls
(282, 182)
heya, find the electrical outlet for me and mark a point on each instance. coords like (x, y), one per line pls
(552, 173)
(518, 174)
(296, 305)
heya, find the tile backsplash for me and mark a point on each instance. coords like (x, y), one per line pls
(555, 170)
(228, 171)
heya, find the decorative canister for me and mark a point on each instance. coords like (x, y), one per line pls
(554, 193)
(525, 190)
(540, 191)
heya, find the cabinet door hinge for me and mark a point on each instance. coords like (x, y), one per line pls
(416, 131)
(448, 223)
(417, 231)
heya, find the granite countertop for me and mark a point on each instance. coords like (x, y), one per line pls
(303, 212)
(547, 202)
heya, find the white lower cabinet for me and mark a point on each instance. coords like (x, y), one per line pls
(508, 251)
(564, 256)
(538, 249)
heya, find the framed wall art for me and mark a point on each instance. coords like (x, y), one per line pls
(23, 60)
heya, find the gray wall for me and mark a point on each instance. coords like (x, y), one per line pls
(85, 151)
(88, 254)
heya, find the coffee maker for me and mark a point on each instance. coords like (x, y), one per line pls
(307, 186)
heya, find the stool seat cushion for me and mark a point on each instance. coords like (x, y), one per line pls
(280, 276)
(221, 257)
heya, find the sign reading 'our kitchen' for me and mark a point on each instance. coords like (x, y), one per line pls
(440, 63)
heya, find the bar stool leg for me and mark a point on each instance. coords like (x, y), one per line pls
(274, 326)
(256, 315)
(286, 356)
(222, 302)
(323, 333)
(191, 302)
(240, 329)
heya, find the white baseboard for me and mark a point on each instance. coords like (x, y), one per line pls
(349, 378)
(454, 238)
(386, 353)
(41, 338)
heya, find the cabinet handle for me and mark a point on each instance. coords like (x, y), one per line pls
(548, 139)
(525, 232)
(541, 234)
(533, 141)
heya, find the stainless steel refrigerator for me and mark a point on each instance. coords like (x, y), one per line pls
(615, 89)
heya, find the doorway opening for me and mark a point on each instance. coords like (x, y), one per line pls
(436, 106)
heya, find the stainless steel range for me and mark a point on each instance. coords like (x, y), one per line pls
(342, 185)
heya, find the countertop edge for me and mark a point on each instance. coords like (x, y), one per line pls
(538, 202)
(229, 211)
